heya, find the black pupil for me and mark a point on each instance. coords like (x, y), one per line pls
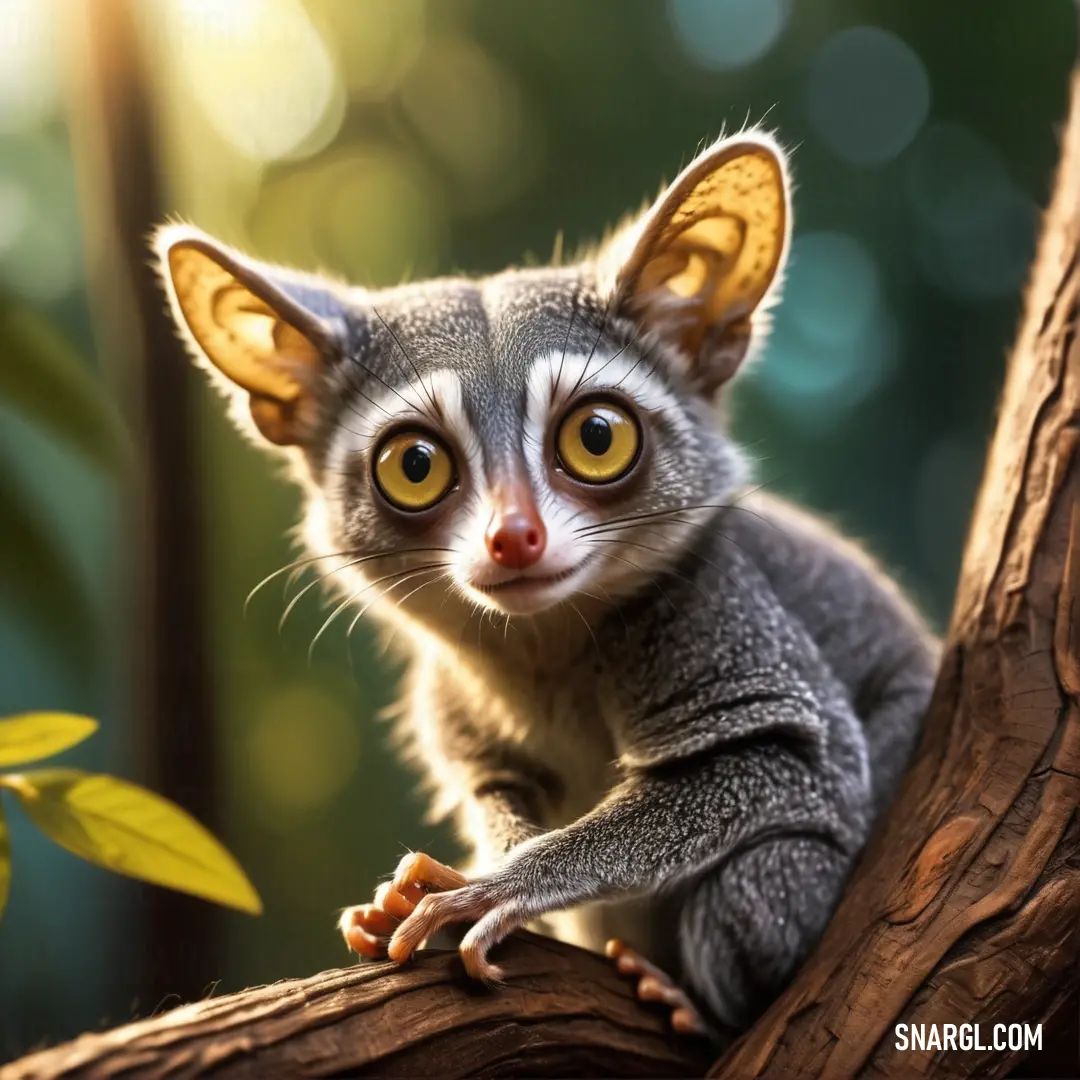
(596, 436)
(416, 464)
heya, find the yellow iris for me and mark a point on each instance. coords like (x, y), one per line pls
(413, 470)
(598, 442)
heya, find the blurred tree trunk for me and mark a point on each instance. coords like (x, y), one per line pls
(116, 156)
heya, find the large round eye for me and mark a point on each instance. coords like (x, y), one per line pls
(413, 470)
(598, 442)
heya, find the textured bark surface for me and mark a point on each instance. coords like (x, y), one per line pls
(564, 1012)
(966, 906)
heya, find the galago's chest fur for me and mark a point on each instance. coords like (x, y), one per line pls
(565, 724)
(537, 687)
(547, 696)
(563, 719)
(551, 697)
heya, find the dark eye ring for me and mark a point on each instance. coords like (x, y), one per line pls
(598, 442)
(413, 470)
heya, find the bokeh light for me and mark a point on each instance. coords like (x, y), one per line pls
(868, 94)
(976, 229)
(727, 34)
(30, 72)
(368, 213)
(260, 72)
(833, 340)
(955, 179)
(469, 113)
(375, 42)
(301, 752)
(833, 288)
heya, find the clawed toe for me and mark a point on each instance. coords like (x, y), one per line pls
(654, 985)
(366, 929)
(391, 901)
(474, 957)
(370, 929)
(687, 1021)
(418, 874)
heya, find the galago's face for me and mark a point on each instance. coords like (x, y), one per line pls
(517, 441)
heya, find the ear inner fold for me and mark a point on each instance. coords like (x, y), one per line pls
(713, 245)
(247, 340)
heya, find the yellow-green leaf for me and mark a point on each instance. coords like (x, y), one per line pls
(128, 829)
(33, 736)
(5, 862)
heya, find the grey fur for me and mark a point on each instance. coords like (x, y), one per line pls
(700, 737)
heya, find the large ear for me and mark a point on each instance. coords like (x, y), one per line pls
(264, 334)
(701, 265)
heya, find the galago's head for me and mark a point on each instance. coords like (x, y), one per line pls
(521, 439)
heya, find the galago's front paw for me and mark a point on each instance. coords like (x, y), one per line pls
(368, 928)
(478, 902)
(423, 897)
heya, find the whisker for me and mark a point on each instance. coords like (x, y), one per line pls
(658, 358)
(628, 562)
(296, 564)
(348, 566)
(607, 363)
(397, 604)
(577, 610)
(354, 386)
(307, 588)
(633, 367)
(397, 577)
(671, 570)
(357, 362)
(650, 526)
(416, 371)
(733, 504)
(630, 519)
(566, 340)
(412, 592)
(363, 611)
(592, 352)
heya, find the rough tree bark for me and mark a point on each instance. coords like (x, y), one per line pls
(564, 1012)
(965, 908)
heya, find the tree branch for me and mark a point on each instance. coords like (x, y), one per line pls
(563, 1012)
(966, 906)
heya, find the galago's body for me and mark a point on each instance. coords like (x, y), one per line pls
(663, 707)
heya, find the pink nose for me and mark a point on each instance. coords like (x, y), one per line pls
(516, 538)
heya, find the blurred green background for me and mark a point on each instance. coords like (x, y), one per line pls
(380, 139)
